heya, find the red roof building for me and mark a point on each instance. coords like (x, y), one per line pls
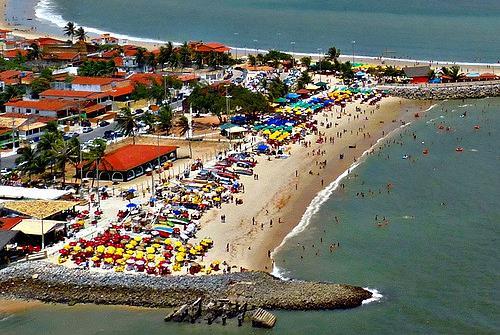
(209, 47)
(46, 107)
(66, 95)
(130, 161)
(98, 84)
(7, 223)
(15, 77)
(146, 78)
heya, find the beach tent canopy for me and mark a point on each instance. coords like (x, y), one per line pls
(262, 147)
(472, 75)
(39, 209)
(34, 227)
(14, 192)
(321, 84)
(303, 91)
(236, 129)
(226, 126)
(312, 87)
(292, 96)
(239, 119)
(280, 100)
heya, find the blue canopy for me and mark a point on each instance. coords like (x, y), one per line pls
(239, 119)
(292, 96)
(262, 147)
(131, 205)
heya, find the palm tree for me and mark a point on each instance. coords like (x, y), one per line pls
(27, 161)
(333, 53)
(185, 128)
(126, 123)
(165, 116)
(452, 72)
(93, 158)
(81, 34)
(70, 30)
(34, 52)
(140, 57)
(66, 152)
(44, 147)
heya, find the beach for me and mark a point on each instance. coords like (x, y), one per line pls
(275, 204)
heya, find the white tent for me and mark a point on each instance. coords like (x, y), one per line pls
(14, 192)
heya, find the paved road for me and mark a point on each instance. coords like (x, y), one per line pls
(10, 162)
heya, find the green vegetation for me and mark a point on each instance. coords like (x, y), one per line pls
(52, 151)
(453, 72)
(212, 99)
(126, 123)
(97, 69)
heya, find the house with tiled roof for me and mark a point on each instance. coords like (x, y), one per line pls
(60, 109)
(98, 84)
(129, 162)
(209, 47)
(104, 39)
(15, 77)
(5, 34)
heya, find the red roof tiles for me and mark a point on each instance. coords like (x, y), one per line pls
(131, 156)
(7, 223)
(65, 94)
(44, 105)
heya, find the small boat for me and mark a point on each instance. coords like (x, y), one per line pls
(406, 156)
(477, 126)
(425, 151)
(246, 172)
(459, 149)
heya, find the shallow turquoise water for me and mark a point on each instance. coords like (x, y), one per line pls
(435, 262)
(425, 29)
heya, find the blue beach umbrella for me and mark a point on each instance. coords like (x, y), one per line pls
(131, 205)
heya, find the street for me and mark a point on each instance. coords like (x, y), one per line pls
(10, 161)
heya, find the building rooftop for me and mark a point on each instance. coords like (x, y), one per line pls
(94, 80)
(131, 156)
(66, 93)
(45, 104)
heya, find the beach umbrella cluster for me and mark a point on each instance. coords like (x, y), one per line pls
(140, 253)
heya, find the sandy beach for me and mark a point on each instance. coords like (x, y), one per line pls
(275, 204)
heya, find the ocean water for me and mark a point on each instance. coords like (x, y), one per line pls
(459, 30)
(434, 261)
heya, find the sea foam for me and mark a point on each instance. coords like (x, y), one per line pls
(376, 296)
(323, 195)
(46, 11)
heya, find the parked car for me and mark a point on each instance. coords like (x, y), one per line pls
(85, 123)
(104, 123)
(87, 129)
(109, 134)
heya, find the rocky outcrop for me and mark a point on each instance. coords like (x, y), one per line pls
(444, 92)
(52, 283)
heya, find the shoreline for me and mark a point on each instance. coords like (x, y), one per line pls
(255, 229)
(149, 43)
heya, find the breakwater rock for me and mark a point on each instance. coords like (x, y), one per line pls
(444, 92)
(48, 282)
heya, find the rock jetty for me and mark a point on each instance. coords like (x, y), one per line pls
(39, 280)
(435, 92)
